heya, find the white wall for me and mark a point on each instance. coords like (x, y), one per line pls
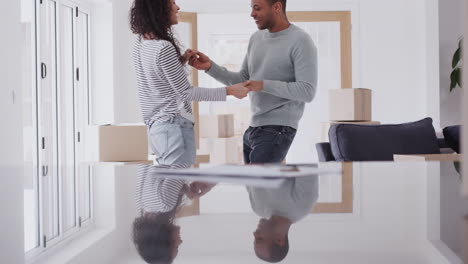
(431, 61)
(102, 61)
(126, 107)
(453, 208)
(450, 30)
(465, 106)
(11, 222)
(11, 154)
(10, 92)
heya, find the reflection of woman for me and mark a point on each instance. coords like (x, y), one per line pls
(279, 209)
(164, 90)
(155, 234)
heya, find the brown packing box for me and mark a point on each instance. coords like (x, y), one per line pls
(326, 127)
(216, 126)
(223, 150)
(123, 143)
(350, 104)
(241, 112)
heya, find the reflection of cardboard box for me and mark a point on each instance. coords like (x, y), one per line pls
(326, 127)
(123, 143)
(216, 126)
(223, 150)
(350, 105)
(241, 112)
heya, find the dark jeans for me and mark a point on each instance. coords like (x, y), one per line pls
(267, 144)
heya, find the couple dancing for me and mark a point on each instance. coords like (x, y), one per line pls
(279, 73)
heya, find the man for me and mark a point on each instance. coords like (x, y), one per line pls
(279, 209)
(280, 68)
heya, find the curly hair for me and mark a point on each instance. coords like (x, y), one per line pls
(153, 17)
(152, 237)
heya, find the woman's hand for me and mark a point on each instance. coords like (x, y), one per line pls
(198, 189)
(187, 56)
(237, 90)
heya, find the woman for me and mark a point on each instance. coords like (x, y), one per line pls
(154, 232)
(164, 90)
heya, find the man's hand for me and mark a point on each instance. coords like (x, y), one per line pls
(200, 61)
(237, 90)
(188, 55)
(198, 189)
(255, 86)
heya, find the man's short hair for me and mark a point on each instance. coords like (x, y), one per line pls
(277, 252)
(283, 3)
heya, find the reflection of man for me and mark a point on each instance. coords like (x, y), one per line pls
(281, 70)
(279, 209)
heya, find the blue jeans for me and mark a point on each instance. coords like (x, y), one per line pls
(267, 144)
(173, 142)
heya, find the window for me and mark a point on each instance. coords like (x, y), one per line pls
(58, 192)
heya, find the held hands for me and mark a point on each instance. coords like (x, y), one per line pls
(199, 60)
(237, 90)
(187, 56)
(198, 189)
(241, 90)
(254, 86)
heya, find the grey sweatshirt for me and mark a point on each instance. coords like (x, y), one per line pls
(293, 200)
(286, 62)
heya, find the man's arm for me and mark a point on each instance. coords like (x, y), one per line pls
(202, 62)
(175, 75)
(226, 77)
(305, 66)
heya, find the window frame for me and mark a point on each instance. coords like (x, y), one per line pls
(38, 182)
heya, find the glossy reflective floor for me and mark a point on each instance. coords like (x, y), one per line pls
(393, 212)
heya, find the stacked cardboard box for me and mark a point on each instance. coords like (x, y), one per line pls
(218, 140)
(241, 113)
(350, 106)
(123, 143)
(216, 126)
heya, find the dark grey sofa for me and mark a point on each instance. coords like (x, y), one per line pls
(349, 142)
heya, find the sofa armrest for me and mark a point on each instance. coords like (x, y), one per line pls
(324, 152)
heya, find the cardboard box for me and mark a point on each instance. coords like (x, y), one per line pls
(326, 127)
(216, 126)
(223, 150)
(351, 105)
(123, 143)
(429, 157)
(241, 112)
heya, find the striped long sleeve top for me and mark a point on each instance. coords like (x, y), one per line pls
(164, 90)
(155, 194)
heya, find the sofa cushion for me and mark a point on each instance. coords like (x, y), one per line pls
(380, 142)
(452, 137)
